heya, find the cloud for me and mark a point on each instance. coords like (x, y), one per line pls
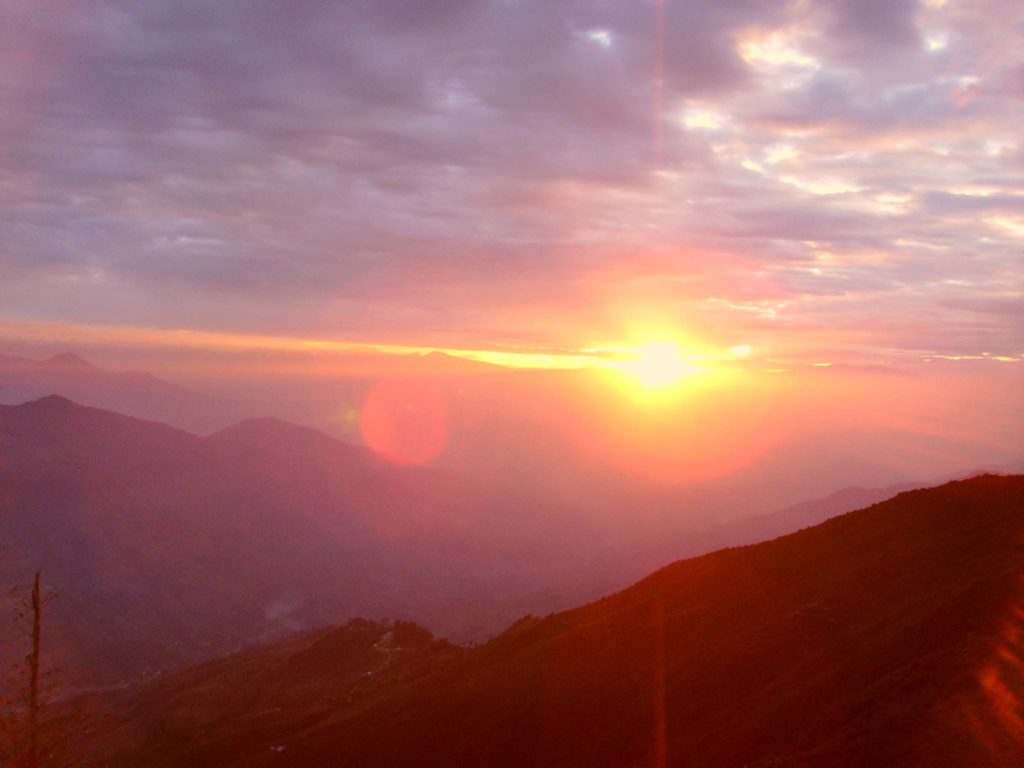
(512, 171)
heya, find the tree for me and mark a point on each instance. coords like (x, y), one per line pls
(27, 740)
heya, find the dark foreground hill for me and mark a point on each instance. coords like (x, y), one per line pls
(890, 636)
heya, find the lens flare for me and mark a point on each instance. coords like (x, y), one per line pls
(405, 421)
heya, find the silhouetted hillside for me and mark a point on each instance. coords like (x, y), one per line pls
(886, 637)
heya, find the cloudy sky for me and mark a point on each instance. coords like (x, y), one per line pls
(818, 179)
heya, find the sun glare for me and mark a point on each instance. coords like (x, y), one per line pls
(659, 364)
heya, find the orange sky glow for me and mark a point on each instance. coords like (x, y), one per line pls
(679, 237)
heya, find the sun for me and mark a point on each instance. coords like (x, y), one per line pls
(659, 364)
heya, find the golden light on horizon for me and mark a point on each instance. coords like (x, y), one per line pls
(709, 422)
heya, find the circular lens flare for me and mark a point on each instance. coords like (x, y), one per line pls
(405, 421)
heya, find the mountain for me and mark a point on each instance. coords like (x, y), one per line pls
(167, 548)
(887, 636)
(631, 564)
(134, 393)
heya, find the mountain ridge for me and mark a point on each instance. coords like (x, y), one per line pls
(270, 527)
(140, 522)
(134, 393)
(881, 637)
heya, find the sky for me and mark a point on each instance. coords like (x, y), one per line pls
(816, 180)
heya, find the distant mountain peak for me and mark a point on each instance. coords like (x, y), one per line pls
(69, 360)
(52, 402)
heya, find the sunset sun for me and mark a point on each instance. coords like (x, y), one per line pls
(659, 364)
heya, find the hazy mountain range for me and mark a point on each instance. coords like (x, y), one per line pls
(886, 636)
(577, 434)
(133, 393)
(168, 548)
